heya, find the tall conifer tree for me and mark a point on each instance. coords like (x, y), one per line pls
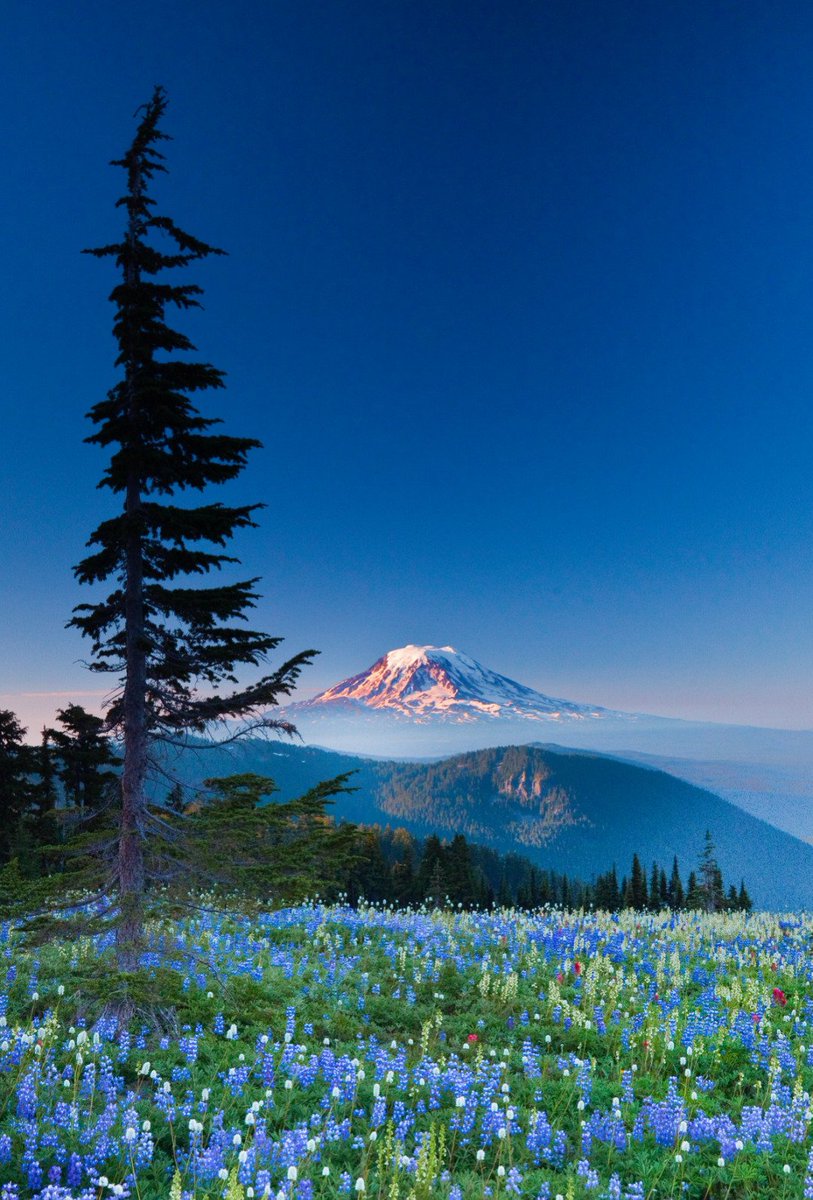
(82, 756)
(171, 644)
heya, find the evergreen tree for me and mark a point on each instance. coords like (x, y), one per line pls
(528, 891)
(163, 637)
(743, 899)
(83, 758)
(638, 892)
(663, 890)
(504, 897)
(176, 798)
(370, 876)
(460, 881)
(710, 883)
(41, 816)
(236, 841)
(431, 858)
(403, 873)
(654, 888)
(675, 891)
(602, 892)
(16, 792)
(436, 888)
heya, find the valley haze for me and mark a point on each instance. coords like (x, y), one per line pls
(422, 701)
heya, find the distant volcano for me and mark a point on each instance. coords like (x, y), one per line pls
(428, 684)
(425, 702)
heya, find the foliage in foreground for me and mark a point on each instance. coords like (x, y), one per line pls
(321, 1052)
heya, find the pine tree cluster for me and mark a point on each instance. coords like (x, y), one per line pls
(704, 888)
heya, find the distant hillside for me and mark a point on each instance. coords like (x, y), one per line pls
(778, 794)
(567, 810)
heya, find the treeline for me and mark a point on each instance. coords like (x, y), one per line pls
(46, 791)
(397, 868)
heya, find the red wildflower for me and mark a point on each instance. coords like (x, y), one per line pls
(472, 1038)
(577, 968)
(779, 997)
(560, 977)
(755, 1018)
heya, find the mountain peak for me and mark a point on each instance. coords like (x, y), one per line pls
(406, 656)
(440, 683)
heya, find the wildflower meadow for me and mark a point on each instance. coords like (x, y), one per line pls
(322, 1052)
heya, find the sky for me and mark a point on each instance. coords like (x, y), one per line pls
(518, 298)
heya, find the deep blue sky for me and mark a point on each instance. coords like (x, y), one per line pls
(519, 298)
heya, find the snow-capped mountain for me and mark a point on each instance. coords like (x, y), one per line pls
(431, 701)
(439, 683)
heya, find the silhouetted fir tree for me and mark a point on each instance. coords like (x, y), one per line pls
(654, 888)
(432, 854)
(710, 881)
(41, 815)
(638, 891)
(83, 758)
(743, 899)
(16, 789)
(403, 873)
(371, 873)
(176, 799)
(606, 893)
(531, 890)
(504, 897)
(460, 880)
(172, 643)
(436, 889)
(564, 892)
(693, 898)
(379, 873)
(46, 775)
(675, 893)
(663, 889)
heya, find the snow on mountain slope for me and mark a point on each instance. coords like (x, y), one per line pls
(439, 683)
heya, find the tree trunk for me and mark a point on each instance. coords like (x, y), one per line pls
(131, 873)
(131, 878)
